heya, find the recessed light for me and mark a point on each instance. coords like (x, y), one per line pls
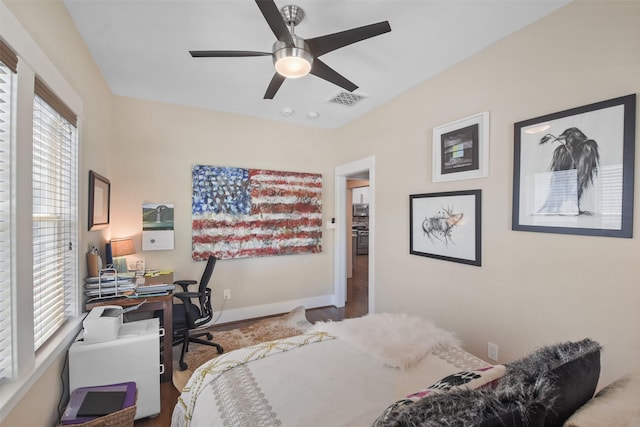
(287, 111)
(312, 115)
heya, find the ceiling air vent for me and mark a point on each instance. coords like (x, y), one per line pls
(347, 98)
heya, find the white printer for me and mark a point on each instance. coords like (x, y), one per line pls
(102, 324)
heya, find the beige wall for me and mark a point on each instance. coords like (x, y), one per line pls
(532, 289)
(155, 145)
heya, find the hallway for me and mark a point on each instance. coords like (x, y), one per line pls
(357, 296)
(358, 288)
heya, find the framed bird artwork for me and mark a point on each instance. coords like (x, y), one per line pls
(574, 169)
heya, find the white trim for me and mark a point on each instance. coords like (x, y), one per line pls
(256, 311)
(340, 240)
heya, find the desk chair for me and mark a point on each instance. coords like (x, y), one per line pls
(188, 316)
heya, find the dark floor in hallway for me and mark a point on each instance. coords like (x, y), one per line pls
(357, 296)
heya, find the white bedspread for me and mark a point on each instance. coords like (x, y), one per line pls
(308, 380)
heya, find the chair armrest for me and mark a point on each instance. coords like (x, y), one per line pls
(186, 295)
(185, 283)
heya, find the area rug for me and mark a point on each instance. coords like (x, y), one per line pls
(287, 325)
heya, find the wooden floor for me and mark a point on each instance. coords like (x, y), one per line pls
(357, 305)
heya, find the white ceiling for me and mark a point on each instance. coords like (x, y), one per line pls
(141, 47)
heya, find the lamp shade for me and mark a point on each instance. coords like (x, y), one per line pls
(122, 247)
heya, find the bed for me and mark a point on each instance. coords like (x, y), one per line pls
(386, 370)
(337, 374)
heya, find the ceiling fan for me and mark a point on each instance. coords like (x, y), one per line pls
(295, 57)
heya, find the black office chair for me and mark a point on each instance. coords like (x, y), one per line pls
(188, 316)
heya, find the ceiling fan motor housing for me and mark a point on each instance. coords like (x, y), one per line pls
(292, 14)
(292, 61)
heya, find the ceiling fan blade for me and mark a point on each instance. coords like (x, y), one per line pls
(274, 19)
(275, 84)
(330, 42)
(323, 71)
(226, 53)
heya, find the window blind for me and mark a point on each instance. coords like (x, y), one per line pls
(7, 82)
(54, 215)
(8, 57)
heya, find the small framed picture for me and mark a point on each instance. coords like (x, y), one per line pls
(447, 226)
(574, 170)
(99, 199)
(461, 149)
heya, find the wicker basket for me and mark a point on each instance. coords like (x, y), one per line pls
(121, 418)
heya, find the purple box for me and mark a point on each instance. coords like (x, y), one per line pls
(70, 415)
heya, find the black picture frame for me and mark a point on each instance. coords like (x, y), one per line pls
(551, 195)
(447, 226)
(99, 201)
(460, 149)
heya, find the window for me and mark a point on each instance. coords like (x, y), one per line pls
(7, 86)
(39, 257)
(54, 213)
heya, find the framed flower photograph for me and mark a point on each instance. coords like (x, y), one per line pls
(461, 149)
(447, 226)
(574, 170)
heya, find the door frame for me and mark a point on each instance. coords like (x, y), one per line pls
(342, 172)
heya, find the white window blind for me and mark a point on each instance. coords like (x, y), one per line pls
(7, 82)
(54, 214)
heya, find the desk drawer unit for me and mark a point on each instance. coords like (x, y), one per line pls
(133, 356)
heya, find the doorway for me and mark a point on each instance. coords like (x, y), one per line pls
(358, 169)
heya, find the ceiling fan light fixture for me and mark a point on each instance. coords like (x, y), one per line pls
(292, 62)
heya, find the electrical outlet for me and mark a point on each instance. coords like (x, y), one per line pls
(227, 294)
(492, 351)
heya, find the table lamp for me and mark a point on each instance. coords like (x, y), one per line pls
(120, 248)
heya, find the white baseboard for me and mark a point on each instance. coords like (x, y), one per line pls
(244, 313)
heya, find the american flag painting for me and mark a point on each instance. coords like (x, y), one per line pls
(240, 213)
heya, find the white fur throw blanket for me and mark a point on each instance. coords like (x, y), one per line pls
(397, 340)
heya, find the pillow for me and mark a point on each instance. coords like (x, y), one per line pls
(464, 379)
(459, 381)
(574, 368)
(552, 357)
(398, 340)
(463, 407)
(538, 390)
(614, 405)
